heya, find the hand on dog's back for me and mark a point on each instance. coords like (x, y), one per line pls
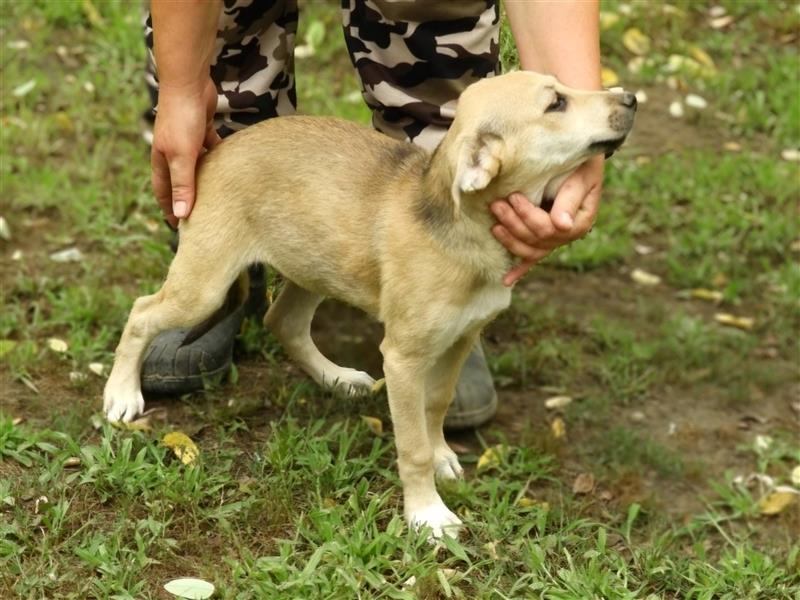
(184, 130)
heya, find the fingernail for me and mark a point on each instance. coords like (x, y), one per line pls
(496, 208)
(179, 209)
(566, 219)
(514, 200)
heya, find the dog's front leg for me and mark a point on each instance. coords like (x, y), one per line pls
(405, 383)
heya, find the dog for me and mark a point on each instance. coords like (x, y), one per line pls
(403, 234)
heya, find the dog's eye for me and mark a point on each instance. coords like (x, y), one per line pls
(559, 105)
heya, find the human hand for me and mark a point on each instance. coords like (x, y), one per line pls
(184, 129)
(531, 233)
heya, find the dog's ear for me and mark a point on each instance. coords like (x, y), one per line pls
(479, 160)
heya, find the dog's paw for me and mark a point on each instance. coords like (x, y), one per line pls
(440, 519)
(122, 403)
(446, 465)
(349, 381)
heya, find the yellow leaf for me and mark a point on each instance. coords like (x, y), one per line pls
(609, 77)
(775, 502)
(57, 345)
(92, 14)
(558, 428)
(608, 20)
(636, 41)
(374, 424)
(745, 323)
(642, 277)
(704, 294)
(702, 57)
(182, 445)
(491, 457)
(379, 385)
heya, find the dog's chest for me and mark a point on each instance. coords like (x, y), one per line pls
(482, 308)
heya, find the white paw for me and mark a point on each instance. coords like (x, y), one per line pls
(122, 402)
(446, 465)
(440, 519)
(348, 381)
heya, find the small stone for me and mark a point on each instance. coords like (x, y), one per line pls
(16, 255)
(88, 87)
(638, 416)
(641, 96)
(57, 345)
(676, 109)
(732, 146)
(643, 249)
(717, 11)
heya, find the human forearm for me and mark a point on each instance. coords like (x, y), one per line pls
(183, 43)
(561, 38)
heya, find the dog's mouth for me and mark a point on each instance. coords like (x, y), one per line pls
(606, 147)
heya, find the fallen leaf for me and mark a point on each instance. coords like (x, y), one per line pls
(378, 385)
(643, 249)
(18, 45)
(558, 428)
(676, 109)
(64, 122)
(97, 368)
(704, 294)
(776, 501)
(697, 102)
(791, 154)
(641, 96)
(491, 457)
(721, 22)
(57, 345)
(745, 323)
(796, 475)
(608, 77)
(182, 445)
(557, 402)
(5, 230)
(526, 502)
(6, 346)
(68, 255)
(636, 41)
(72, 462)
(608, 20)
(583, 484)
(373, 424)
(491, 549)
(190, 588)
(702, 57)
(642, 277)
(732, 146)
(92, 14)
(24, 89)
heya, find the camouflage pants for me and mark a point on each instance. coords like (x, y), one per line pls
(413, 59)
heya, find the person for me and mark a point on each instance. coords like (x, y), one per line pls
(222, 66)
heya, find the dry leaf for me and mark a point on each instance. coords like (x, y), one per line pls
(373, 424)
(745, 323)
(676, 109)
(378, 385)
(641, 96)
(491, 457)
(72, 462)
(97, 368)
(5, 230)
(583, 484)
(702, 57)
(721, 22)
(777, 501)
(732, 146)
(190, 588)
(791, 154)
(642, 277)
(636, 41)
(796, 475)
(608, 20)
(609, 77)
(57, 345)
(696, 102)
(704, 294)
(182, 445)
(558, 428)
(557, 402)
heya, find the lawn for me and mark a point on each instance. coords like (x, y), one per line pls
(671, 472)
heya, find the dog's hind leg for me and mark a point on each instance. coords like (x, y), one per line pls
(289, 318)
(196, 286)
(440, 386)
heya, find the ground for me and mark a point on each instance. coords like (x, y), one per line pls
(657, 479)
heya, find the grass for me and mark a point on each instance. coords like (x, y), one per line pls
(292, 495)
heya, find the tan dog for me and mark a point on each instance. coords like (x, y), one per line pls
(346, 212)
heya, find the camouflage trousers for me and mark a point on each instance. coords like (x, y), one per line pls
(413, 59)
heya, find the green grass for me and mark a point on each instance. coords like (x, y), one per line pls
(292, 495)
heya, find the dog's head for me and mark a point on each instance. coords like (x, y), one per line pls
(524, 132)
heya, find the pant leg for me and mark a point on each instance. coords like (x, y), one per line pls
(414, 58)
(253, 63)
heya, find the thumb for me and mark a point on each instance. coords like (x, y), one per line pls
(566, 205)
(181, 174)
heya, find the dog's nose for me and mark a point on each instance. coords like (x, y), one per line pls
(629, 100)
